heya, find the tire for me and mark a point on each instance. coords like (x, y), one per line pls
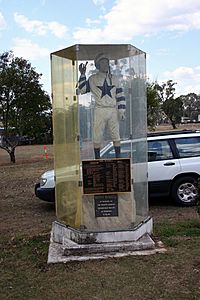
(184, 191)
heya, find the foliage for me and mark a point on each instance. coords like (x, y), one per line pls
(173, 109)
(191, 104)
(25, 109)
(171, 106)
(153, 105)
(162, 103)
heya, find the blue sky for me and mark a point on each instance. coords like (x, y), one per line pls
(168, 31)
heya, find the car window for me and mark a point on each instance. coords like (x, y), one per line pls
(125, 151)
(138, 151)
(159, 150)
(188, 147)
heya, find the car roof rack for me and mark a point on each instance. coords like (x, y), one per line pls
(158, 133)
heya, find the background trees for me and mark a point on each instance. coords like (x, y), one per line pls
(153, 106)
(171, 106)
(25, 108)
(26, 111)
(191, 106)
(163, 105)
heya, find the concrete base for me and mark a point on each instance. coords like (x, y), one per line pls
(84, 236)
(68, 244)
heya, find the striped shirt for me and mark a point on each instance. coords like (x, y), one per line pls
(105, 88)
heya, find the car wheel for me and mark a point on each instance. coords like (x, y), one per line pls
(184, 191)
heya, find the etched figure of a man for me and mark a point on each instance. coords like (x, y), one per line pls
(110, 102)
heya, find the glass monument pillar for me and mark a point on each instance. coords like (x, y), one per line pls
(82, 200)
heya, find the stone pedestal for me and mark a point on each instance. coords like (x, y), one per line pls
(69, 244)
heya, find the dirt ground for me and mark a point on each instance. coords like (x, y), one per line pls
(166, 127)
(22, 213)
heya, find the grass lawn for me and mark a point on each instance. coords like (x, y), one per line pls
(173, 275)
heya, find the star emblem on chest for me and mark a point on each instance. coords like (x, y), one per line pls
(105, 89)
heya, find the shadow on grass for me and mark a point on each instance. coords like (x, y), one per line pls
(161, 201)
(47, 206)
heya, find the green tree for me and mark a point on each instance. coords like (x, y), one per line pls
(25, 109)
(153, 105)
(191, 104)
(171, 106)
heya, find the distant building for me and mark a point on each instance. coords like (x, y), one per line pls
(185, 120)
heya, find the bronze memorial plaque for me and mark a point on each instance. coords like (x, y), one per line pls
(106, 205)
(106, 176)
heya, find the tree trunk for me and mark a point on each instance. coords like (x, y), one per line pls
(12, 155)
(173, 124)
(10, 148)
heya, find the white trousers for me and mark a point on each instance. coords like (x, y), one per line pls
(105, 116)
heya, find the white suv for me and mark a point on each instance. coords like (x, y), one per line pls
(173, 166)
